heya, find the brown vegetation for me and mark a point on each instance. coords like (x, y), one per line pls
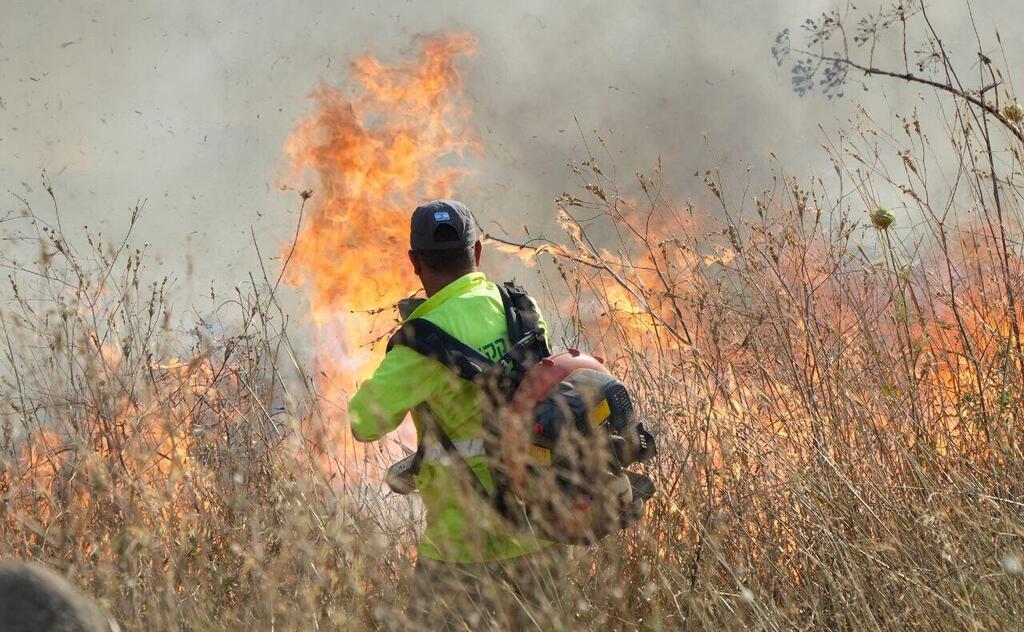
(837, 394)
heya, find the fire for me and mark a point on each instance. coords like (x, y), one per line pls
(377, 155)
(374, 156)
(618, 300)
(151, 436)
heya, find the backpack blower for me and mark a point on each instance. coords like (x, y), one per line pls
(558, 435)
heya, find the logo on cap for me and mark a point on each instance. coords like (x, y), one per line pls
(440, 225)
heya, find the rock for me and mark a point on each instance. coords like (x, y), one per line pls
(34, 598)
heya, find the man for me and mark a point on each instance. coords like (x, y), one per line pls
(465, 542)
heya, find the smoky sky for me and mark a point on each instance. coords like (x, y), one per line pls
(187, 104)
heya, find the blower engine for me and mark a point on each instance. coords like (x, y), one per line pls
(583, 433)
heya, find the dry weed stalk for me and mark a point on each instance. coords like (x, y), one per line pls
(837, 397)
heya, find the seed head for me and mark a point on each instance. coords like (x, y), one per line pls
(882, 218)
(1014, 112)
(1012, 564)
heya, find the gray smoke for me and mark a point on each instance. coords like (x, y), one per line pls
(187, 104)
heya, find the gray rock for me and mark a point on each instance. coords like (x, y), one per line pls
(34, 598)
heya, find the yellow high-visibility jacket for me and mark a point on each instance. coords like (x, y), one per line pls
(461, 527)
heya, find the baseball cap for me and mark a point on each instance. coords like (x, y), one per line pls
(442, 225)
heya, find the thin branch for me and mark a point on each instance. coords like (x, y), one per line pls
(912, 78)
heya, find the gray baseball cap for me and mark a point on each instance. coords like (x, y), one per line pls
(442, 225)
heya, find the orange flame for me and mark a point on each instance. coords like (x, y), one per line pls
(375, 157)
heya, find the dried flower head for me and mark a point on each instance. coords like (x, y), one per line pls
(1014, 112)
(882, 218)
(1012, 564)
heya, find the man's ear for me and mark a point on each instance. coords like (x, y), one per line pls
(478, 249)
(415, 263)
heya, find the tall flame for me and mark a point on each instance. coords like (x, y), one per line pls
(375, 157)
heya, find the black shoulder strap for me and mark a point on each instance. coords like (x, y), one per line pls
(512, 319)
(521, 316)
(426, 338)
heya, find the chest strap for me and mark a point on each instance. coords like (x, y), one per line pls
(428, 339)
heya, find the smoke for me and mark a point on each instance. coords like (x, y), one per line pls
(188, 104)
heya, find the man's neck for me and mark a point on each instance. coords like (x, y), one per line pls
(434, 285)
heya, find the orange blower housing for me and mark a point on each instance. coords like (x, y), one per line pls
(578, 411)
(543, 378)
(571, 389)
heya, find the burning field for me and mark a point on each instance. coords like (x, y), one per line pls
(833, 365)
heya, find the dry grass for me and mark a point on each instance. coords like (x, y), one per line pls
(838, 410)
